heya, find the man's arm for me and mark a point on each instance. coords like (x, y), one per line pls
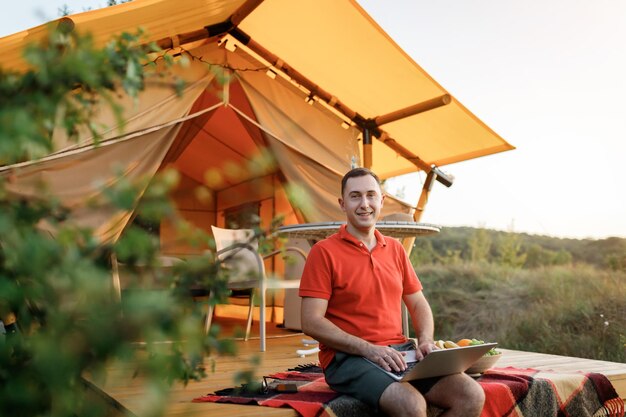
(423, 322)
(316, 325)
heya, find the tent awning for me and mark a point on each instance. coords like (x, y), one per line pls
(333, 43)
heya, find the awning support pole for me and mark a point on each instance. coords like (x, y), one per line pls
(334, 103)
(215, 30)
(229, 26)
(369, 126)
(423, 200)
(367, 148)
(418, 108)
(421, 205)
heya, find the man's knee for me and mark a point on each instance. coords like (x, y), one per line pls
(458, 393)
(401, 399)
(476, 398)
(475, 395)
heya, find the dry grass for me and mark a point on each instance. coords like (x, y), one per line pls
(572, 311)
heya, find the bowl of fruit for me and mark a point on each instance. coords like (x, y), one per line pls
(487, 361)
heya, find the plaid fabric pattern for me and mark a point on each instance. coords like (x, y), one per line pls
(510, 392)
(514, 392)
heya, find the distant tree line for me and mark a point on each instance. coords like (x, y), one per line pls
(465, 244)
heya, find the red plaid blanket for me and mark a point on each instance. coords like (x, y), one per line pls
(510, 392)
(516, 392)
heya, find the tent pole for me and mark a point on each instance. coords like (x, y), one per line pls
(337, 105)
(291, 72)
(414, 159)
(210, 31)
(367, 148)
(421, 205)
(229, 27)
(424, 106)
(423, 200)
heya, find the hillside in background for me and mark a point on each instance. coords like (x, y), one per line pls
(456, 244)
(532, 293)
(561, 310)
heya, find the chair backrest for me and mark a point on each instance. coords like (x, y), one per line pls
(227, 237)
(242, 263)
(294, 262)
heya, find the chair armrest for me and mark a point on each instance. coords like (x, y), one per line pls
(238, 246)
(287, 249)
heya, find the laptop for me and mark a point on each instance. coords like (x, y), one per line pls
(440, 362)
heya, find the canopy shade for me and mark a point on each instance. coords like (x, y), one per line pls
(333, 43)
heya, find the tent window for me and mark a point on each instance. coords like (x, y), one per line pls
(246, 216)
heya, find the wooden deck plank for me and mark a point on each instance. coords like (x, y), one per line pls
(132, 394)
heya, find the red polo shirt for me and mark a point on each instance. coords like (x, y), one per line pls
(364, 289)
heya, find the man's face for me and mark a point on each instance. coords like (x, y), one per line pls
(362, 201)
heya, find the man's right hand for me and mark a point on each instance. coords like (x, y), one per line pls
(386, 357)
(316, 325)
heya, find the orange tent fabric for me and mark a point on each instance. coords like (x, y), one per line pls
(335, 44)
(252, 139)
(213, 128)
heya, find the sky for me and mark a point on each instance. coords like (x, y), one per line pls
(548, 76)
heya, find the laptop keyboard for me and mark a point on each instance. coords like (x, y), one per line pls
(409, 366)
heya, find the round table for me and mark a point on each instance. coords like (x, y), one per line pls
(319, 231)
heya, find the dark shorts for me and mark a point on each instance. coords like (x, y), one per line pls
(355, 376)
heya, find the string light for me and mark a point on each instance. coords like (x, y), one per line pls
(265, 69)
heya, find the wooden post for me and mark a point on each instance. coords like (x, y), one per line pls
(421, 204)
(367, 148)
(413, 110)
(423, 200)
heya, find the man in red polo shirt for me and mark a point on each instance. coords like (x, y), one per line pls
(351, 288)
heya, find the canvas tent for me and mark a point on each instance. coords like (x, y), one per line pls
(307, 95)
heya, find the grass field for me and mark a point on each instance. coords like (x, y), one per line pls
(565, 310)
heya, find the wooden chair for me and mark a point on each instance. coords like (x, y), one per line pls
(237, 253)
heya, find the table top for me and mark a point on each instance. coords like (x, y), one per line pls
(319, 231)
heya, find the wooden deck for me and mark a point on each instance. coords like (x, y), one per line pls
(128, 396)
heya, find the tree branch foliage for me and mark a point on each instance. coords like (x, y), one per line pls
(59, 284)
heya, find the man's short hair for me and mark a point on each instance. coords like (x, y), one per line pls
(358, 172)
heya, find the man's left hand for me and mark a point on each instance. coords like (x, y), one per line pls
(424, 348)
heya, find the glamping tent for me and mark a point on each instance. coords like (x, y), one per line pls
(318, 99)
(282, 97)
(248, 140)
